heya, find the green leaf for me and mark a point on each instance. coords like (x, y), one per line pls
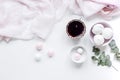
(99, 62)
(102, 63)
(107, 57)
(108, 63)
(117, 56)
(115, 50)
(95, 49)
(102, 56)
(112, 43)
(112, 47)
(104, 60)
(97, 53)
(94, 58)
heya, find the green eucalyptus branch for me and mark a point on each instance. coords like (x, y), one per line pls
(101, 59)
(115, 49)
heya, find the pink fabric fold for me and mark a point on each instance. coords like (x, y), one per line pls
(111, 9)
(88, 8)
(23, 19)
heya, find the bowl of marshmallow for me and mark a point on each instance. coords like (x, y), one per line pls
(101, 34)
(78, 54)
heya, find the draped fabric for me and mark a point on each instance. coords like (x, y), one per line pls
(23, 19)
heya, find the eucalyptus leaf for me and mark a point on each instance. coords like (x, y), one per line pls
(112, 43)
(108, 63)
(102, 56)
(102, 63)
(107, 57)
(112, 47)
(115, 50)
(117, 56)
(97, 53)
(94, 58)
(95, 49)
(99, 62)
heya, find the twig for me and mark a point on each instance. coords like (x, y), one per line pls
(115, 68)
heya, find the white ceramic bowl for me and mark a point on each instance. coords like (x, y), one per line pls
(83, 55)
(107, 41)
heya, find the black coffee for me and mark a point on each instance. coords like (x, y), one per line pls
(75, 28)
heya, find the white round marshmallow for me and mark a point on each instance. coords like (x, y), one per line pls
(107, 33)
(80, 50)
(37, 57)
(76, 56)
(98, 40)
(97, 29)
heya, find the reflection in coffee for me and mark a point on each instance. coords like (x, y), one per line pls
(75, 28)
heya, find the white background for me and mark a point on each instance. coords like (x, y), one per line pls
(17, 57)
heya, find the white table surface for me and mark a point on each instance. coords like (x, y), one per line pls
(17, 57)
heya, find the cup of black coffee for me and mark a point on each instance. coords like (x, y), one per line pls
(76, 29)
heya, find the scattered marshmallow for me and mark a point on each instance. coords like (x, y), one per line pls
(37, 57)
(50, 53)
(107, 33)
(97, 29)
(76, 56)
(98, 39)
(80, 50)
(39, 47)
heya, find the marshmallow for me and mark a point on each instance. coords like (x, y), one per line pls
(50, 53)
(39, 47)
(37, 57)
(107, 33)
(76, 56)
(80, 50)
(98, 39)
(97, 29)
